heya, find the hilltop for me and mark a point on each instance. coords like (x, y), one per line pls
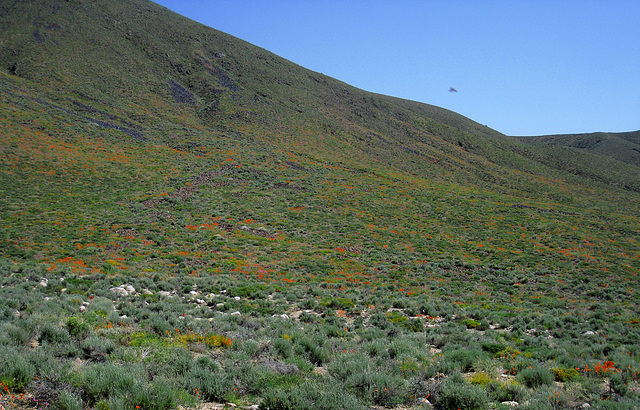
(191, 218)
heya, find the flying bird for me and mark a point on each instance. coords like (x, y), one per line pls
(453, 90)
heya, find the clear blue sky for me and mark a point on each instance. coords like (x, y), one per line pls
(522, 67)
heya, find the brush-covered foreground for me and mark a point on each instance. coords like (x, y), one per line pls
(186, 219)
(474, 338)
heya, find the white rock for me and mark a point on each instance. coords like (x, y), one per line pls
(164, 293)
(147, 292)
(588, 333)
(237, 313)
(510, 403)
(120, 291)
(83, 308)
(284, 316)
(200, 301)
(193, 292)
(130, 289)
(44, 282)
(237, 298)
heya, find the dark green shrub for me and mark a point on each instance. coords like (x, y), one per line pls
(13, 335)
(493, 348)
(76, 327)
(474, 324)
(536, 376)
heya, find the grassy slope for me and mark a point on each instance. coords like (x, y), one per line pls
(176, 155)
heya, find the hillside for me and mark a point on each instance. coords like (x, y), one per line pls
(188, 218)
(623, 146)
(612, 158)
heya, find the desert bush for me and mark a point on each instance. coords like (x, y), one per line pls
(464, 358)
(346, 365)
(310, 395)
(456, 394)
(96, 348)
(208, 383)
(536, 376)
(102, 381)
(619, 384)
(15, 371)
(313, 348)
(67, 400)
(509, 391)
(282, 347)
(53, 334)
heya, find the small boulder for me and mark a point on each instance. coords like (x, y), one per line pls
(119, 291)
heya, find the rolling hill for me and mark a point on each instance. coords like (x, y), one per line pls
(188, 218)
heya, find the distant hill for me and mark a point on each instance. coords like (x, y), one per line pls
(607, 157)
(622, 146)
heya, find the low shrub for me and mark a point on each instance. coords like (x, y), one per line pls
(68, 401)
(459, 395)
(310, 395)
(481, 379)
(536, 376)
(563, 374)
(53, 334)
(76, 327)
(15, 371)
(207, 384)
(493, 348)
